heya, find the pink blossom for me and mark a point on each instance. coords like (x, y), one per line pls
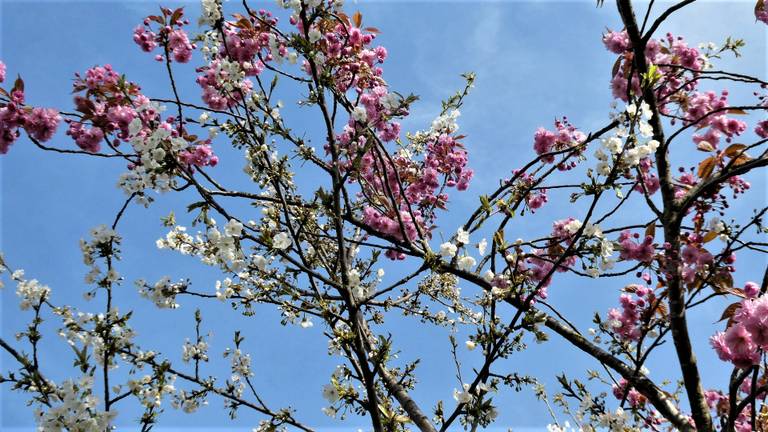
(751, 289)
(88, 139)
(2, 71)
(41, 123)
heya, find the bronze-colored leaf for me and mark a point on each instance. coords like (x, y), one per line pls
(734, 150)
(706, 167)
(358, 19)
(729, 311)
(708, 237)
(650, 230)
(737, 111)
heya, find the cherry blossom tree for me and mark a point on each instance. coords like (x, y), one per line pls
(315, 252)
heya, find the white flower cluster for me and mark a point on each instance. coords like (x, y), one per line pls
(31, 292)
(215, 248)
(612, 150)
(446, 123)
(163, 292)
(241, 363)
(74, 408)
(100, 245)
(189, 402)
(150, 391)
(196, 351)
(210, 12)
(466, 262)
(565, 428)
(360, 290)
(152, 148)
(605, 246)
(88, 329)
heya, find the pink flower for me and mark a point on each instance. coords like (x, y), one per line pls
(761, 129)
(761, 14)
(751, 289)
(144, 38)
(741, 346)
(41, 123)
(88, 139)
(617, 42)
(2, 71)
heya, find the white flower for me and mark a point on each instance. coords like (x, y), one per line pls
(330, 393)
(482, 246)
(314, 35)
(354, 278)
(462, 236)
(488, 276)
(470, 345)
(573, 226)
(613, 144)
(466, 263)
(603, 168)
(259, 262)
(281, 241)
(306, 323)
(448, 250)
(592, 230)
(462, 397)
(653, 145)
(359, 114)
(233, 228)
(593, 272)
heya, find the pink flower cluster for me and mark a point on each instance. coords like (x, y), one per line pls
(248, 43)
(534, 199)
(647, 180)
(761, 12)
(170, 35)
(747, 334)
(565, 136)
(701, 105)
(761, 129)
(213, 81)
(199, 155)
(40, 123)
(625, 323)
(666, 53)
(402, 190)
(348, 56)
(695, 259)
(108, 104)
(444, 165)
(632, 250)
(633, 397)
(543, 261)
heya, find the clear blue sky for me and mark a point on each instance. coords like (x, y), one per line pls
(535, 61)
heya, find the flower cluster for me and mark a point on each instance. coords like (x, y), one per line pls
(565, 136)
(39, 123)
(747, 333)
(163, 292)
(170, 35)
(707, 110)
(626, 323)
(631, 249)
(74, 408)
(444, 165)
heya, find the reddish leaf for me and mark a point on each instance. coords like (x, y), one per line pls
(708, 237)
(734, 150)
(358, 19)
(729, 311)
(706, 167)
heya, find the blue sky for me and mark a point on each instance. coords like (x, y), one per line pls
(535, 61)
